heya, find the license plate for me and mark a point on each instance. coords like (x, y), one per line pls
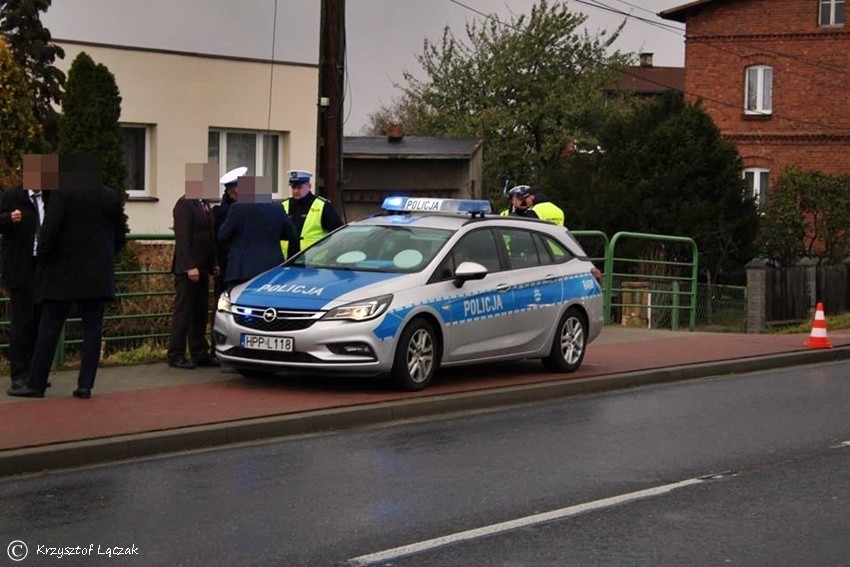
(260, 342)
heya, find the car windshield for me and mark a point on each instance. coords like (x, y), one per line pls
(394, 249)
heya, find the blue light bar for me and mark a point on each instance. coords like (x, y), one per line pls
(427, 205)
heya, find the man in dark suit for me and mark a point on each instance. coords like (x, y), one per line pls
(21, 213)
(193, 263)
(82, 232)
(253, 230)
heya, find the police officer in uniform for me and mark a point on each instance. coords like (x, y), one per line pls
(313, 216)
(530, 202)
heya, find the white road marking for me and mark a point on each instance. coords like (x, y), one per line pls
(842, 444)
(395, 553)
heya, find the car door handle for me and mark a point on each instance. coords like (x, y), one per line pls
(550, 277)
(502, 288)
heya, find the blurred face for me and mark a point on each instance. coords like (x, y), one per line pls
(518, 203)
(300, 190)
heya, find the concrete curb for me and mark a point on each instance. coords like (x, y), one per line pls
(92, 451)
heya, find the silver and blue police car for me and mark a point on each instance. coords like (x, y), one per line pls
(429, 283)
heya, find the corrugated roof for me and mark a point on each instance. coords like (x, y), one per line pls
(680, 13)
(411, 147)
(649, 80)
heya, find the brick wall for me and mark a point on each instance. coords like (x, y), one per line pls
(810, 123)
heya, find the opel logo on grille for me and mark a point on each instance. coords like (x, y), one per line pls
(269, 314)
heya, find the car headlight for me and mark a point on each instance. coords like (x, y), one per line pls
(224, 302)
(360, 310)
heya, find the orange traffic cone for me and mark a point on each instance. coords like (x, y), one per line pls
(818, 339)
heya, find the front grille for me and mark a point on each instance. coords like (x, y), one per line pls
(280, 324)
(271, 355)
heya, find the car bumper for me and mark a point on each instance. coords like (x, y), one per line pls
(323, 347)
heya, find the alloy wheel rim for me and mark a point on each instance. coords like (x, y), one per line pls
(572, 340)
(420, 356)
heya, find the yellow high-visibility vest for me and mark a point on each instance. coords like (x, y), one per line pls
(549, 212)
(312, 229)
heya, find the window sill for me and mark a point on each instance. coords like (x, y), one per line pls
(746, 116)
(141, 199)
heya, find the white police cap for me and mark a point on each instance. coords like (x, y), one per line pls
(299, 176)
(230, 176)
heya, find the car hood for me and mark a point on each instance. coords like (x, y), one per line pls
(310, 289)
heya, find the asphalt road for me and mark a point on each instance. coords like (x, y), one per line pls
(780, 439)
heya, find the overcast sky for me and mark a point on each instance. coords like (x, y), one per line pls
(383, 36)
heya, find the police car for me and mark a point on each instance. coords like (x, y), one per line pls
(429, 283)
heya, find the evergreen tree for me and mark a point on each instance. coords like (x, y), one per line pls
(20, 133)
(665, 169)
(30, 45)
(91, 108)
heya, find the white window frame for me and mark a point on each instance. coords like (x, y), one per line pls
(833, 10)
(146, 190)
(763, 107)
(258, 152)
(758, 192)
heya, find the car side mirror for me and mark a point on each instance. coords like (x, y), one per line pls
(469, 271)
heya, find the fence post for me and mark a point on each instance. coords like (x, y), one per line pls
(810, 279)
(756, 294)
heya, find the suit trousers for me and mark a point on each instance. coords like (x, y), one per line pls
(189, 318)
(24, 315)
(53, 317)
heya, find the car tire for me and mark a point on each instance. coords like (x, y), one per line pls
(569, 343)
(415, 361)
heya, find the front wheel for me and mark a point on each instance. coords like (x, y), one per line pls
(415, 359)
(569, 344)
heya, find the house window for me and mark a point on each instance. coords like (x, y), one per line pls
(137, 151)
(258, 151)
(832, 12)
(759, 90)
(757, 179)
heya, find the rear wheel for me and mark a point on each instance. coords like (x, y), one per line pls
(569, 344)
(415, 359)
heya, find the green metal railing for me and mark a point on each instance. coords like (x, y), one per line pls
(675, 287)
(673, 292)
(122, 299)
(589, 240)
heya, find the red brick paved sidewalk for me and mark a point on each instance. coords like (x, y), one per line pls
(152, 398)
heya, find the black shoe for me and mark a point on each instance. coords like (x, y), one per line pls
(181, 363)
(84, 393)
(18, 384)
(25, 392)
(207, 361)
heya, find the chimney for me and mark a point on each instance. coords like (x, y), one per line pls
(395, 132)
(646, 59)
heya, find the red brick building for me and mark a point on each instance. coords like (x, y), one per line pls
(775, 76)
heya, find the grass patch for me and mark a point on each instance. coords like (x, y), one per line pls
(834, 322)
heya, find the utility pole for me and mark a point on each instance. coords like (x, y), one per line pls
(331, 88)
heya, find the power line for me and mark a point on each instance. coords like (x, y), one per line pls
(651, 81)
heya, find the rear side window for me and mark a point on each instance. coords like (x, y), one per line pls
(556, 251)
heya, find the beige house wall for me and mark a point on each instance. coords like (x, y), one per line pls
(182, 96)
